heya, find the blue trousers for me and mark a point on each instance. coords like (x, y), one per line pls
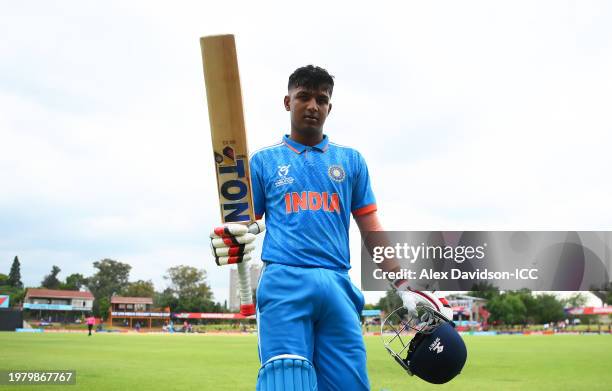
(313, 313)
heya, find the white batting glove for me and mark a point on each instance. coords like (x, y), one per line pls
(233, 243)
(411, 298)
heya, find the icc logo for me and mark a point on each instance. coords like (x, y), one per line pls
(283, 170)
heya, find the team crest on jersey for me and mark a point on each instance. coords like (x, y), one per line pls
(336, 173)
(283, 173)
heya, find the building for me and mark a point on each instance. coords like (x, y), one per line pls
(52, 305)
(234, 291)
(468, 309)
(132, 310)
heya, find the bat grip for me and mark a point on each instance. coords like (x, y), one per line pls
(247, 307)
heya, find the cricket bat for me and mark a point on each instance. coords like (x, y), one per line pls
(229, 143)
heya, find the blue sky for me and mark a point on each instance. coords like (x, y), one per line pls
(478, 115)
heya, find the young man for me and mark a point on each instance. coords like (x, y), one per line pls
(308, 310)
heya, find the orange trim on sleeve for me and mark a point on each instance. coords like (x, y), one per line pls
(365, 210)
(258, 217)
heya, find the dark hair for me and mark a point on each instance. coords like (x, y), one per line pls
(311, 77)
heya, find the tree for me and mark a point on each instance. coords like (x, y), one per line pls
(530, 304)
(15, 274)
(16, 295)
(575, 300)
(517, 313)
(74, 282)
(50, 281)
(165, 299)
(605, 295)
(389, 302)
(188, 286)
(507, 308)
(11, 285)
(111, 278)
(140, 288)
(521, 307)
(101, 306)
(484, 290)
(549, 309)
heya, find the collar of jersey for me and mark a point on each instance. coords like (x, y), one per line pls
(299, 148)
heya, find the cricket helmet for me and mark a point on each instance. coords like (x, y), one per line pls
(425, 343)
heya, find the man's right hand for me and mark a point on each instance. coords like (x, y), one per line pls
(233, 243)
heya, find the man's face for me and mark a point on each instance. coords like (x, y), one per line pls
(309, 108)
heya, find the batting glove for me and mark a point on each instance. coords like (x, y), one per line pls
(411, 299)
(234, 243)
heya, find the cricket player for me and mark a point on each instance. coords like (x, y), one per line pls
(307, 187)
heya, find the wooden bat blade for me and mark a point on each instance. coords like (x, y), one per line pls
(227, 127)
(229, 142)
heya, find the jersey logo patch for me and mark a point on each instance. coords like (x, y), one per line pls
(283, 172)
(336, 173)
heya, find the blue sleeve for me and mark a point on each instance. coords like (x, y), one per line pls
(362, 199)
(257, 183)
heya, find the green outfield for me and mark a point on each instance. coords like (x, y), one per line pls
(208, 362)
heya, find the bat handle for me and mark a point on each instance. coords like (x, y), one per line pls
(247, 307)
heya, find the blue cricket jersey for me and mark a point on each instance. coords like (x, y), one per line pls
(307, 195)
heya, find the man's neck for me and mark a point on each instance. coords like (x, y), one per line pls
(308, 140)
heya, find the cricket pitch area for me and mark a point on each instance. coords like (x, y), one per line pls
(229, 362)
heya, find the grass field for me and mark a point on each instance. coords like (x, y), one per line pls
(206, 362)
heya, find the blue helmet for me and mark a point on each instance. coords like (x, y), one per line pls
(425, 344)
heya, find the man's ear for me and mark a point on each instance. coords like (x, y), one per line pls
(329, 109)
(286, 102)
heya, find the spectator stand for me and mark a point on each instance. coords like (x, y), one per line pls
(52, 305)
(136, 311)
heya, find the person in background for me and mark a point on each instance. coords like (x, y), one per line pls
(90, 323)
